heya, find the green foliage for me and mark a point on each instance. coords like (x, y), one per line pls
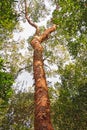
(8, 21)
(8, 15)
(6, 81)
(37, 9)
(8, 18)
(70, 107)
(1, 63)
(71, 19)
(20, 112)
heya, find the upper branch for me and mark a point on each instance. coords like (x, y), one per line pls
(46, 33)
(28, 19)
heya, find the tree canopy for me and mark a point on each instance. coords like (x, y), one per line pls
(65, 55)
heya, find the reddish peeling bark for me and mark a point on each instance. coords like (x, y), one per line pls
(42, 104)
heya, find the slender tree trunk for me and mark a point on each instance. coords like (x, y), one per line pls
(42, 104)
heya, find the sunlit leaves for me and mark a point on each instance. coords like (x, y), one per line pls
(8, 18)
(8, 15)
(70, 106)
(71, 19)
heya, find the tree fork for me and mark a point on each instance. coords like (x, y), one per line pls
(42, 119)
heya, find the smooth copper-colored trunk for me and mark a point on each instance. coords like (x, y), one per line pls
(42, 104)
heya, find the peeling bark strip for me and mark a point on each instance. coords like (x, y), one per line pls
(42, 104)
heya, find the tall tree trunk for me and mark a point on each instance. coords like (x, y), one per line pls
(42, 104)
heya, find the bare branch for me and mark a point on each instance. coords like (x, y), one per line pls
(28, 19)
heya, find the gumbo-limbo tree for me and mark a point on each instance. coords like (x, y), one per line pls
(42, 103)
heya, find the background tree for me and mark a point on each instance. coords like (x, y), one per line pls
(20, 113)
(70, 103)
(7, 22)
